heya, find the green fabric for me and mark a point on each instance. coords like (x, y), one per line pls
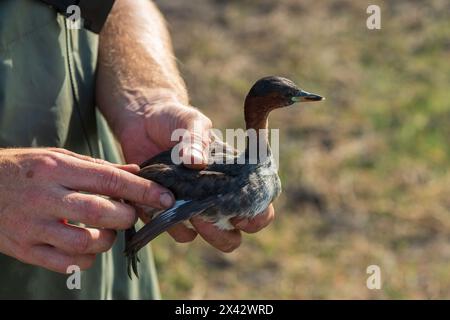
(47, 85)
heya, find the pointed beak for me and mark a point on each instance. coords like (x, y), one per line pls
(303, 96)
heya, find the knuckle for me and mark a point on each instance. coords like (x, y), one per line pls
(93, 210)
(81, 242)
(111, 182)
(149, 194)
(44, 163)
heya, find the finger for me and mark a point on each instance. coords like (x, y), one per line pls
(76, 240)
(196, 150)
(52, 259)
(95, 211)
(182, 234)
(145, 213)
(194, 154)
(142, 214)
(116, 183)
(224, 240)
(134, 168)
(256, 224)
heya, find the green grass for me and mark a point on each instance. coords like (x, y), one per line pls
(365, 173)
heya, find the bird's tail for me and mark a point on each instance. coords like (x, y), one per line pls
(181, 211)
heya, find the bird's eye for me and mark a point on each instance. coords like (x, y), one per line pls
(290, 94)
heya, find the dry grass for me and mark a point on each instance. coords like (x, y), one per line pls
(365, 173)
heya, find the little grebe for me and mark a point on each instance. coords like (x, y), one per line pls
(222, 190)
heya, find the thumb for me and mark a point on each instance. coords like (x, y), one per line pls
(197, 149)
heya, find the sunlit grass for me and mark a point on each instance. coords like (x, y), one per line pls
(365, 173)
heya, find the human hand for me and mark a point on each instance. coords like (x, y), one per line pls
(148, 132)
(41, 190)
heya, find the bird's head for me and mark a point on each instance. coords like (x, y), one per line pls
(271, 93)
(280, 92)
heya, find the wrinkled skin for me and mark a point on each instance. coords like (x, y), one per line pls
(42, 189)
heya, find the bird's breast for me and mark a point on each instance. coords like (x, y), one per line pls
(256, 189)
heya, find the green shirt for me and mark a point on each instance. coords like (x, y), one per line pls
(47, 86)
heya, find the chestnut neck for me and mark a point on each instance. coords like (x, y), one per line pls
(257, 111)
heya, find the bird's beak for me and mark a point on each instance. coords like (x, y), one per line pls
(303, 96)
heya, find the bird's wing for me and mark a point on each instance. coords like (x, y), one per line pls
(163, 157)
(181, 211)
(188, 184)
(196, 191)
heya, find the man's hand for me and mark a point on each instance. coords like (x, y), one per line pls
(42, 189)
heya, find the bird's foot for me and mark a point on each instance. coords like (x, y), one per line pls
(131, 254)
(132, 264)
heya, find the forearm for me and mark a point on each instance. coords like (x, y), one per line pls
(135, 60)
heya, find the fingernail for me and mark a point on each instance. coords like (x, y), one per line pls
(242, 224)
(166, 200)
(133, 167)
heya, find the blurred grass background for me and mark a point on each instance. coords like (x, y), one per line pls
(365, 173)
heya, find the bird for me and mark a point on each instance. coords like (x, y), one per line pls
(243, 187)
